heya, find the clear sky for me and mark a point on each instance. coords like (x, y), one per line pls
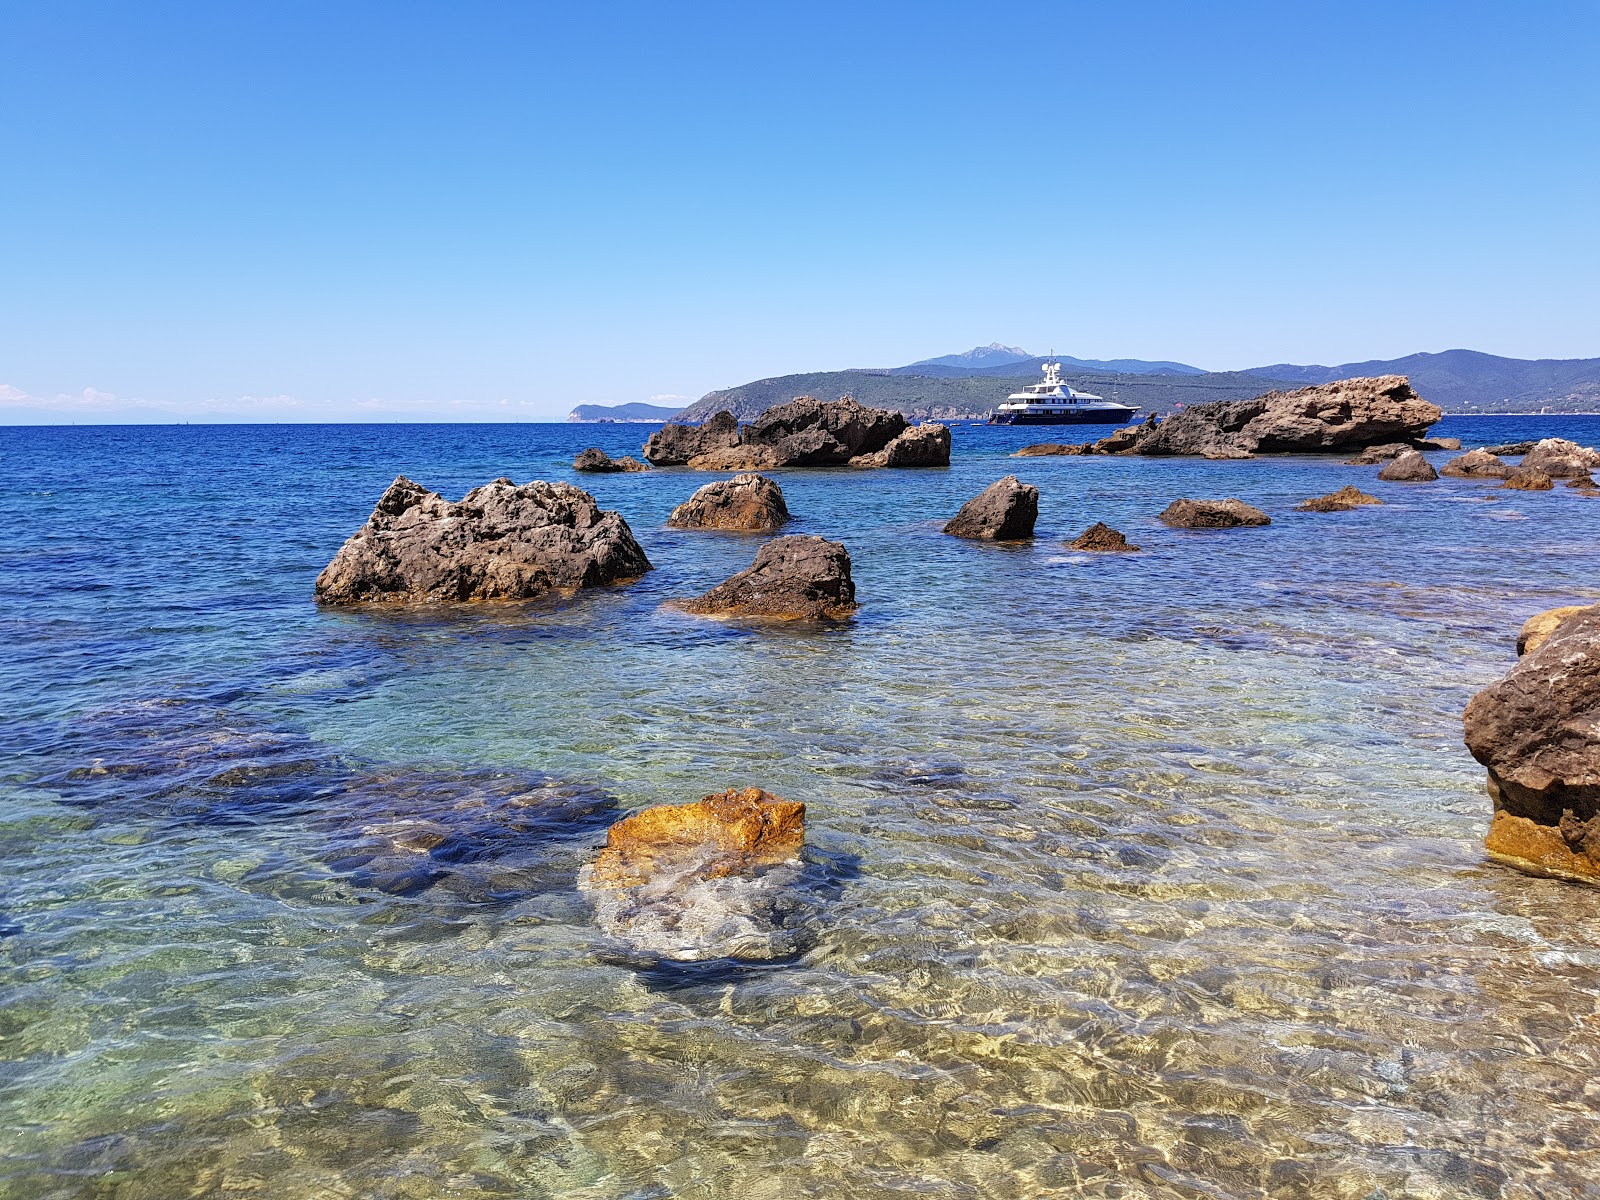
(327, 211)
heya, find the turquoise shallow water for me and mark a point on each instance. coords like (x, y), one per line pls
(1149, 875)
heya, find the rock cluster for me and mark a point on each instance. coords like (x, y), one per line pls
(675, 445)
(1347, 415)
(1476, 464)
(595, 459)
(925, 445)
(1212, 514)
(1005, 511)
(1560, 459)
(1409, 467)
(1537, 732)
(690, 882)
(744, 504)
(499, 542)
(796, 578)
(1343, 500)
(1100, 537)
(805, 432)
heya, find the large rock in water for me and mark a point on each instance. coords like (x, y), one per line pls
(1476, 464)
(1005, 511)
(745, 504)
(925, 445)
(807, 432)
(689, 882)
(499, 542)
(1560, 459)
(1347, 415)
(1537, 731)
(1213, 514)
(796, 578)
(1523, 478)
(675, 445)
(1409, 467)
(597, 460)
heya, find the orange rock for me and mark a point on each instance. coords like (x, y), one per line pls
(1538, 849)
(725, 834)
(1537, 628)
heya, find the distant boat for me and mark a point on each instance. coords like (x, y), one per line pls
(1052, 402)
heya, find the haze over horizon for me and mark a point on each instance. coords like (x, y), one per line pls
(491, 212)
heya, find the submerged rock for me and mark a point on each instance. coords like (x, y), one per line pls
(1373, 455)
(689, 882)
(1476, 464)
(1560, 459)
(1101, 537)
(674, 445)
(1213, 514)
(1346, 415)
(499, 542)
(1536, 630)
(1537, 732)
(1582, 481)
(745, 503)
(796, 578)
(595, 459)
(1410, 467)
(1005, 511)
(1527, 479)
(925, 445)
(1346, 498)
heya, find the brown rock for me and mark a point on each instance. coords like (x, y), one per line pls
(1373, 455)
(807, 432)
(1560, 459)
(1347, 415)
(1410, 467)
(1439, 443)
(794, 578)
(1343, 500)
(500, 542)
(1476, 464)
(925, 445)
(1005, 511)
(1125, 440)
(725, 834)
(1511, 449)
(675, 445)
(1581, 481)
(1537, 732)
(1042, 449)
(1527, 479)
(736, 458)
(1213, 514)
(1101, 537)
(1536, 630)
(594, 459)
(745, 503)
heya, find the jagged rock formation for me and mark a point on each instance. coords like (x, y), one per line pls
(689, 882)
(1409, 467)
(1101, 538)
(1537, 732)
(1213, 514)
(597, 460)
(675, 445)
(1476, 464)
(1560, 459)
(1348, 415)
(1005, 511)
(1343, 500)
(925, 445)
(499, 542)
(1524, 478)
(794, 578)
(745, 504)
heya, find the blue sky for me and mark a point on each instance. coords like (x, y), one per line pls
(311, 211)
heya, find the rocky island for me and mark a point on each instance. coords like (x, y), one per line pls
(805, 432)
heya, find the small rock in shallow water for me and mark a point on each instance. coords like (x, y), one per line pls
(1101, 537)
(1004, 511)
(1560, 459)
(795, 578)
(1409, 467)
(1373, 455)
(1213, 514)
(597, 460)
(1346, 498)
(1044, 449)
(1512, 449)
(745, 504)
(1526, 479)
(1476, 464)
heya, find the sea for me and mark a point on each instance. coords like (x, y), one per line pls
(1137, 875)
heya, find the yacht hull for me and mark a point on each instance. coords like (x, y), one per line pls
(1109, 415)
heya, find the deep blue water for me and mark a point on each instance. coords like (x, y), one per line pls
(1155, 872)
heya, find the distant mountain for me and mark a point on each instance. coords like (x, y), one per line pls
(996, 359)
(620, 412)
(994, 354)
(1467, 381)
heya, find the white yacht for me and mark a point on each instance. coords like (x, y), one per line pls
(1052, 402)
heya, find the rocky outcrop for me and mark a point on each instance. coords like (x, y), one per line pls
(597, 460)
(675, 445)
(1410, 467)
(807, 432)
(1536, 630)
(1476, 464)
(1537, 732)
(1101, 538)
(1343, 500)
(1511, 449)
(690, 882)
(745, 504)
(499, 542)
(1005, 511)
(1373, 455)
(1560, 459)
(1347, 415)
(1213, 514)
(925, 445)
(1044, 449)
(1523, 478)
(794, 578)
